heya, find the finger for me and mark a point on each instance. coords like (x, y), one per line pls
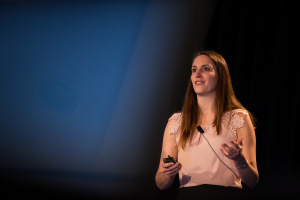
(167, 165)
(235, 144)
(231, 154)
(240, 141)
(230, 151)
(173, 171)
(224, 152)
(176, 167)
(171, 166)
(227, 147)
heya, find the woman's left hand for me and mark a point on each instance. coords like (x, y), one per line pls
(233, 151)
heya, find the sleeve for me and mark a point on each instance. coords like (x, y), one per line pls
(237, 121)
(174, 128)
(176, 123)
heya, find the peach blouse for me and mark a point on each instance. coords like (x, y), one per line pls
(199, 163)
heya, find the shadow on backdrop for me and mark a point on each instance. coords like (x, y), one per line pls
(86, 89)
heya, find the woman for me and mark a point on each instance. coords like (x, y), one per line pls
(211, 164)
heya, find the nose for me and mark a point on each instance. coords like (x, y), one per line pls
(199, 73)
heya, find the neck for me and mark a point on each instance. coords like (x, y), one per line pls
(206, 104)
(208, 109)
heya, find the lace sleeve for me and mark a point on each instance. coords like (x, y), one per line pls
(174, 128)
(236, 121)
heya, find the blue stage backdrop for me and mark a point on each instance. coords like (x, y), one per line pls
(86, 88)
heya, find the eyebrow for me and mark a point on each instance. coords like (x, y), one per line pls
(203, 65)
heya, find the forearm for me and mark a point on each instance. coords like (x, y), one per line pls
(248, 173)
(163, 181)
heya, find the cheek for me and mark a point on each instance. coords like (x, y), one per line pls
(192, 76)
(192, 79)
(214, 80)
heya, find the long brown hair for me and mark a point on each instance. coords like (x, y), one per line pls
(225, 100)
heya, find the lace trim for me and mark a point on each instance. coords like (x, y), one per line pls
(174, 129)
(176, 124)
(234, 121)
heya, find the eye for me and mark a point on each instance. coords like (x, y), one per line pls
(194, 70)
(206, 68)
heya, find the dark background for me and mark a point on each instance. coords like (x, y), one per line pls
(87, 88)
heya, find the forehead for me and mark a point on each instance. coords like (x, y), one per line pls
(203, 60)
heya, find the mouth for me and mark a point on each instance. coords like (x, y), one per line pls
(199, 82)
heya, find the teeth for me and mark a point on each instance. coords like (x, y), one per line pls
(199, 82)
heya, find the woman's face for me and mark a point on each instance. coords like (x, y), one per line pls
(204, 76)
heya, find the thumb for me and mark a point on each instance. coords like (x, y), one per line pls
(240, 141)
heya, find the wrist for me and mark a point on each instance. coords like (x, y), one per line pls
(242, 166)
(241, 162)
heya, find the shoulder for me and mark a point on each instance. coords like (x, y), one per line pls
(241, 112)
(236, 112)
(176, 117)
(236, 118)
(174, 123)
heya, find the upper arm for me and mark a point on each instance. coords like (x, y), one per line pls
(249, 140)
(168, 146)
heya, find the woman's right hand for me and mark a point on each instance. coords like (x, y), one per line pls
(171, 169)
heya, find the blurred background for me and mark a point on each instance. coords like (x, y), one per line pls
(87, 87)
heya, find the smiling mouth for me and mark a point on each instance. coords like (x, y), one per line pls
(199, 82)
